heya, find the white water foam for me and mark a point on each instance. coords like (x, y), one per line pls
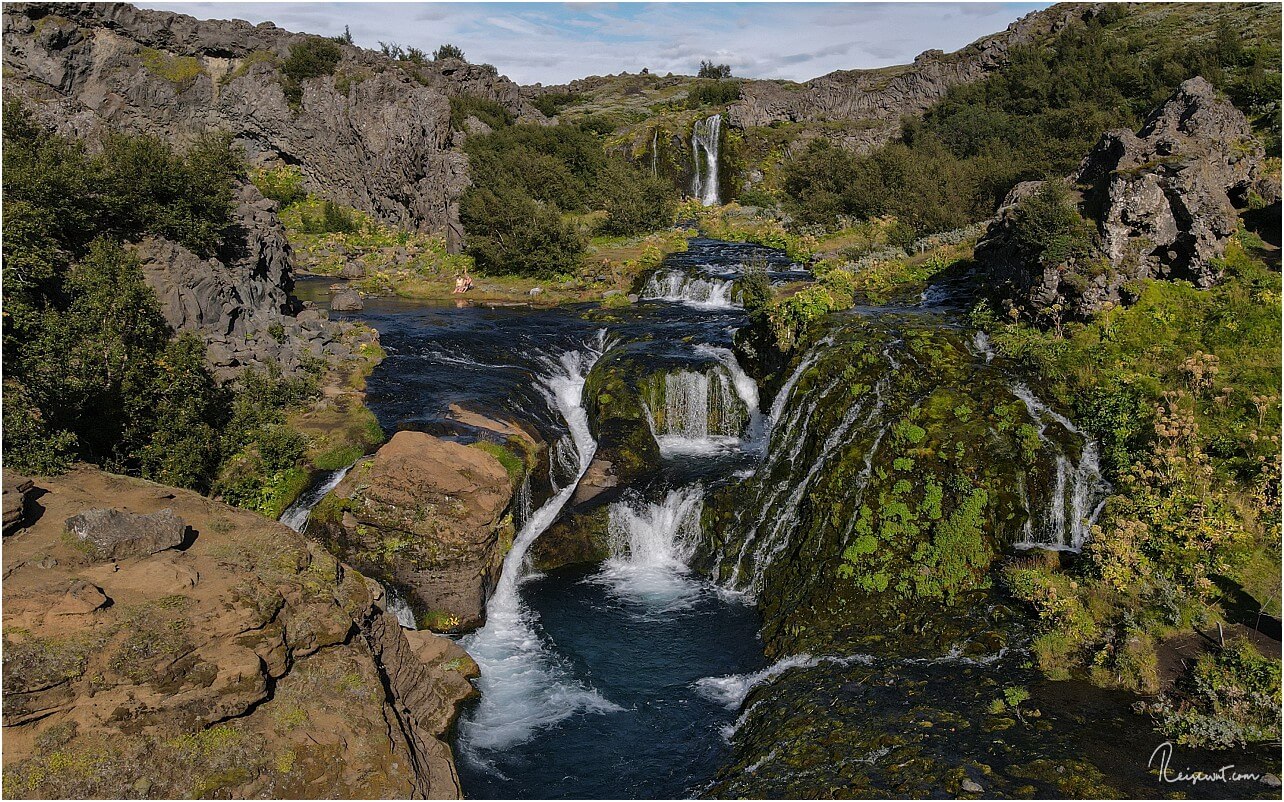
(731, 690)
(524, 687)
(297, 514)
(1079, 491)
(650, 546)
(700, 292)
(396, 604)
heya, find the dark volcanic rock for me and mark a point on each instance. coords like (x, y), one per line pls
(375, 135)
(16, 490)
(1163, 201)
(346, 300)
(113, 534)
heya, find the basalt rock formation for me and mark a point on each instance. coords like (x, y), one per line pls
(882, 97)
(243, 662)
(1163, 200)
(239, 301)
(374, 135)
(428, 515)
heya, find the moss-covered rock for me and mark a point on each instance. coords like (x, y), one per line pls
(890, 489)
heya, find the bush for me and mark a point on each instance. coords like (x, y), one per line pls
(634, 200)
(509, 232)
(710, 70)
(309, 58)
(489, 112)
(713, 93)
(447, 51)
(282, 184)
(552, 103)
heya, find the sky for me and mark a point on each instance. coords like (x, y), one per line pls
(553, 43)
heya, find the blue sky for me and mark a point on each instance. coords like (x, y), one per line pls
(555, 42)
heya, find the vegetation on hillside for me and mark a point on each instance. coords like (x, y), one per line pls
(528, 181)
(1032, 119)
(1181, 390)
(92, 371)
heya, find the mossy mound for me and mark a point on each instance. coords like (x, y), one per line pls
(891, 487)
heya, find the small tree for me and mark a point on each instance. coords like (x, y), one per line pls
(717, 71)
(344, 38)
(448, 51)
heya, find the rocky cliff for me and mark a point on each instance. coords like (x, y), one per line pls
(374, 135)
(882, 97)
(159, 644)
(239, 302)
(1163, 203)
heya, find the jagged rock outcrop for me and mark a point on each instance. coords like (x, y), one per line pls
(375, 135)
(1163, 201)
(428, 515)
(247, 663)
(239, 301)
(882, 97)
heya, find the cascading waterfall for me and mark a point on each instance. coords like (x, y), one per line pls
(655, 153)
(702, 411)
(701, 292)
(523, 686)
(1077, 491)
(297, 514)
(651, 543)
(704, 155)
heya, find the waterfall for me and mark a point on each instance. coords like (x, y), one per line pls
(700, 411)
(745, 387)
(704, 148)
(651, 543)
(297, 514)
(396, 604)
(1077, 492)
(655, 153)
(701, 292)
(523, 686)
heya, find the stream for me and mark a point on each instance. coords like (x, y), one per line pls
(647, 676)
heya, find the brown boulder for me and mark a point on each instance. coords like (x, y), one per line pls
(428, 515)
(250, 665)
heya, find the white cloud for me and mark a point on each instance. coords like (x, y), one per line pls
(558, 42)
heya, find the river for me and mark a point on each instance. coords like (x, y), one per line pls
(647, 676)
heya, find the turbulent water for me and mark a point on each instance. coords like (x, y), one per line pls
(297, 514)
(636, 677)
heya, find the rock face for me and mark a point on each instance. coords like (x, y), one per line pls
(886, 95)
(375, 135)
(1163, 201)
(250, 664)
(239, 302)
(430, 516)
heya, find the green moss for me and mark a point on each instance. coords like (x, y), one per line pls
(515, 464)
(182, 71)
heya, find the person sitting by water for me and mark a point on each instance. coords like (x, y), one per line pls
(463, 283)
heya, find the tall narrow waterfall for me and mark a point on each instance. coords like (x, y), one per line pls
(704, 156)
(524, 687)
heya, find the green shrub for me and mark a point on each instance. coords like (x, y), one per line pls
(489, 112)
(713, 93)
(309, 58)
(282, 184)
